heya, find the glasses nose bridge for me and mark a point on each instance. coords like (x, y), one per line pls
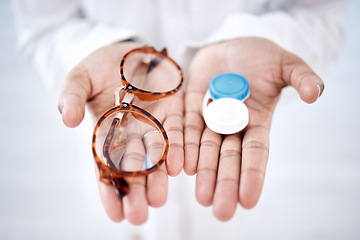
(128, 97)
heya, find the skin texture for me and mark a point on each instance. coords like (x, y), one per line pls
(92, 83)
(230, 169)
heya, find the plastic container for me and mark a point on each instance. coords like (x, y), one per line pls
(223, 106)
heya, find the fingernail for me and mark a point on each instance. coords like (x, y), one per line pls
(61, 109)
(320, 92)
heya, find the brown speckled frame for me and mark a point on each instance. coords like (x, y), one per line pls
(107, 171)
(146, 95)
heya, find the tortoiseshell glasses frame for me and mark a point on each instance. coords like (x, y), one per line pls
(108, 172)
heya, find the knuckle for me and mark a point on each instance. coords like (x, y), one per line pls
(77, 72)
(191, 144)
(227, 154)
(210, 143)
(193, 128)
(254, 171)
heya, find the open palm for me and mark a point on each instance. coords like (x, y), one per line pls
(231, 168)
(93, 82)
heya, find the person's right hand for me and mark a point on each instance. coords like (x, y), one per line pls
(93, 82)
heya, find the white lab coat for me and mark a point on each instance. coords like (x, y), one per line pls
(56, 34)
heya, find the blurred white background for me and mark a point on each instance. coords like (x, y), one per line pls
(312, 188)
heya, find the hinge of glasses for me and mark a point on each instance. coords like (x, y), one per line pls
(128, 97)
(117, 95)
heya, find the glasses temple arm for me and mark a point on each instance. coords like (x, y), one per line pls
(108, 140)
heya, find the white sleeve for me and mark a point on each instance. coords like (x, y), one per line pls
(54, 36)
(311, 29)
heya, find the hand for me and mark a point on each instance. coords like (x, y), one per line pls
(231, 168)
(93, 82)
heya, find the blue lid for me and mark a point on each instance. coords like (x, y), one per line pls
(229, 85)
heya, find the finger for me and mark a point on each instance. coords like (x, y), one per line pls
(174, 128)
(194, 127)
(112, 204)
(207, 167)
(227, 184)
(299, 75)
(157, 181)
(135, 202)
(199, 75)
(73, 97)
(157, 187)
(255, 153)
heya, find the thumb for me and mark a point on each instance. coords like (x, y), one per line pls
(74, 95)
(299, 75)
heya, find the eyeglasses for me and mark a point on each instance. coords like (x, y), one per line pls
(128, 141)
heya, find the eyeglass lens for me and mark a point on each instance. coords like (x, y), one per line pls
(129, 144)
(151, 72)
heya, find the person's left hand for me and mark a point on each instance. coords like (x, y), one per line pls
(231, 168)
